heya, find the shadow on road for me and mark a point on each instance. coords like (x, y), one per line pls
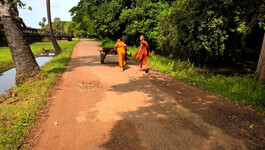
(124, 135)
(184, 117)
(178, 116)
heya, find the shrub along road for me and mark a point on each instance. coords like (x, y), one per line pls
(96, 106)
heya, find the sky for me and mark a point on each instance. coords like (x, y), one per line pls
(59, 8)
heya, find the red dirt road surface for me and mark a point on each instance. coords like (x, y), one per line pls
(97, 107)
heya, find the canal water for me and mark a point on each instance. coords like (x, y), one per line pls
(7, 78)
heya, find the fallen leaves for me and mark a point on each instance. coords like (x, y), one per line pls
(12, 133)
(25, 124)
(1, 100)
(88, 85)
(56, 123)
(251, 126)
(11, 94)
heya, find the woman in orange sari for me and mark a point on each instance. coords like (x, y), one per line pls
(142, 53)
(120, 45)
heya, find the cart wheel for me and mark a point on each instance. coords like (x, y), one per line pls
(102, 57)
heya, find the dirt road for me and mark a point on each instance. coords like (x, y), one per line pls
(96, 106)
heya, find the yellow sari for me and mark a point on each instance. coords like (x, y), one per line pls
(121, 53)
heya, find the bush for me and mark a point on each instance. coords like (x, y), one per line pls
(108, 43)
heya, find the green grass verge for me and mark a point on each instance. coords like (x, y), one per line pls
(18, 118)
(6, 61)
(242, 88)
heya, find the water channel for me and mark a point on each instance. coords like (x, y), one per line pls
(7, 78)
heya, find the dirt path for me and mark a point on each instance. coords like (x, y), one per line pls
(99, 107)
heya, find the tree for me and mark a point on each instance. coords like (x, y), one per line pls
(219, 32)
(142, 19)
(261, 63)
(205, 32)
(55, 44)
(44, 20)
(57, 21)
(23, 58)
(66, 27)
(41, 24)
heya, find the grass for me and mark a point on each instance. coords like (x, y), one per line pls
(6, 61)
(107, 43)
(242, 88)
(18, 118)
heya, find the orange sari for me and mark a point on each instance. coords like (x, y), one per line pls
(143, 52)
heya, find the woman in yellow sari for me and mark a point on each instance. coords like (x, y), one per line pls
(120, 45)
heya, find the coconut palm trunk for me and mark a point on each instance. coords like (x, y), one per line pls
(55, 44)
(23, 58)
(261, 63)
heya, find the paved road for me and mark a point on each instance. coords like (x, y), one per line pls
(96, 106)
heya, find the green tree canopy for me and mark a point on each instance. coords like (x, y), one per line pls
(201, 31)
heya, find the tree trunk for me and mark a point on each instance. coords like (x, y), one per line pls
(55, 44)
(261, 63)
(23, 58)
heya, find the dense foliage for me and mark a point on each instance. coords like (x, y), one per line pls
(210, 30)
(202, 31)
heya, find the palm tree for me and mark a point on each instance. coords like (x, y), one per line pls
(261, 63)
(55, 44)
(44, 20)
(41, 24)
(57, 22)
(23, 58)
